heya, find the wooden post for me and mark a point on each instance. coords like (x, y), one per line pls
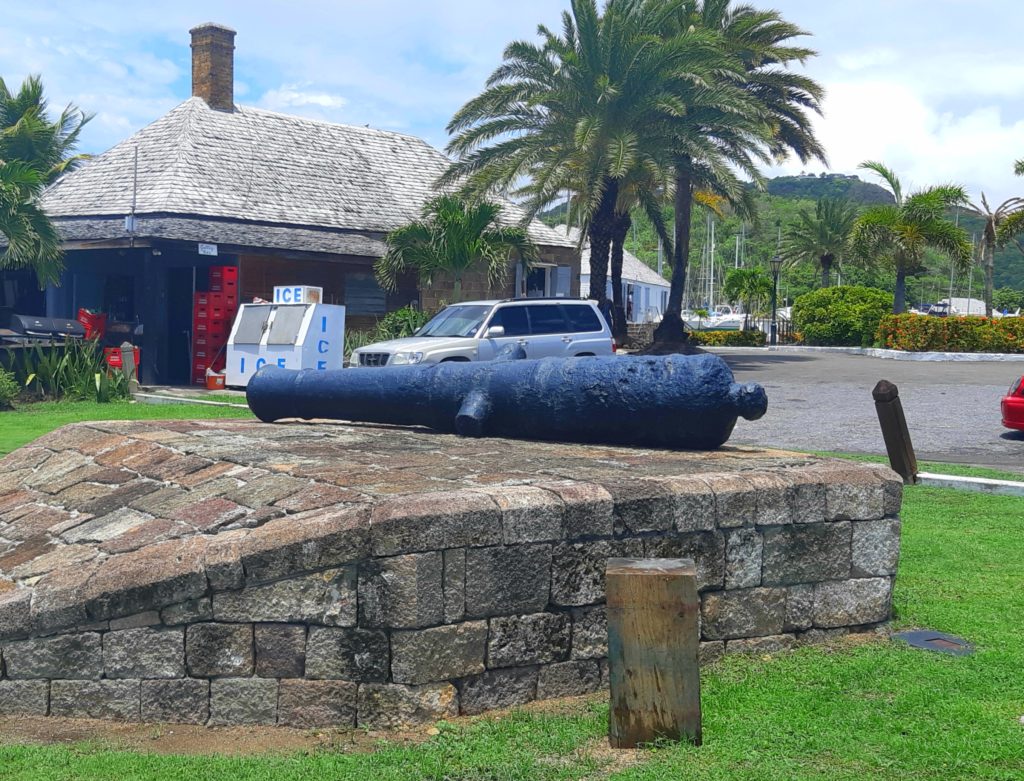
(128, 366)
(653, 639)
(895, 431)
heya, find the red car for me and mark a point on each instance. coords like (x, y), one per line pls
(1013, 405)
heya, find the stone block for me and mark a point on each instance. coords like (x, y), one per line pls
(761, 645)
(590, 633)
(808, 494)
(754, 612)
(15, 613)
(347, 654)
(149, 618)
(280, 650)
(517, 641)
(113, 700)
(821, 636)
(852, 602)
(710, 651)
(743, 548)
(774, 498)
(806, 553)
(799, 608)
(439, 654)
(577, 569)
(642, 506)
(693, 502)
(402, 592)
(455, 519)
(312, 704)
(587, 508)
(191, 612)
(528, 514)
(213, 650)
(317, 540)
(568, 679)
(876, 548)
(241, 701)
(323, 598)
(77, 656)
(707, 549)
(497, 689)
(507, 580)
(182, 701)
(144, 653)
(854, 494)
(454, 585)
(388, 706)
(267, 490)
(735, 503)
(24, 698)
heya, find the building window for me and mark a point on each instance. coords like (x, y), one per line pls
(363, 296)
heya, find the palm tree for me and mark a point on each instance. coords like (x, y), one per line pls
(579, 112)
(768, 119)
(748, 286)
(821, 238)
(994, 220)
(32, 241)
(28, 135)
(900, 232)
(1013, 225)
(454, 236)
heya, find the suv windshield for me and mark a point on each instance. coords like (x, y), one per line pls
(456, 321)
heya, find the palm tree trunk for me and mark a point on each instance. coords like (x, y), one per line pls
(457, 289)
(600, 235)
(990, 269)
(899, 303)
(620, 328)
(671, 329)
(826, 270)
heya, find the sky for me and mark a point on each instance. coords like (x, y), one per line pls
(934, 88)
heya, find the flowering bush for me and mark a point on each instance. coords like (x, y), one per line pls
(847, 316)
(921, 333)
(729, 338)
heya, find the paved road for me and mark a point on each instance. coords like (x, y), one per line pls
(822, 401)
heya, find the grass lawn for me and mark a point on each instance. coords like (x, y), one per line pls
(871, 711)
(29, 421)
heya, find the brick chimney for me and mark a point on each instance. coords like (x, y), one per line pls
(213, 65)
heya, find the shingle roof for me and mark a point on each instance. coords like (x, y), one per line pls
(261, 166)
(633, 269)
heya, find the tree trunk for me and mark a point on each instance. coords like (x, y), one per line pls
(899, 303)
(671, 329)
(826, 270)
(602, 222)
(990, 269)
(457, 289)
(620, 327)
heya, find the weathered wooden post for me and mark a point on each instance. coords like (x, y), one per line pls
(653, 639)
(895, 431)
(128, 366)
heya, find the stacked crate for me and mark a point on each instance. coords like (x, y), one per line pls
(213, 312)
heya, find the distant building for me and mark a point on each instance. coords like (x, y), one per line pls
(647, 289)
(287, 200)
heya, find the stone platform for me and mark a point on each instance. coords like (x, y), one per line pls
(229, 572)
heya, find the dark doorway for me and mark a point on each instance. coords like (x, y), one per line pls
(180, 287)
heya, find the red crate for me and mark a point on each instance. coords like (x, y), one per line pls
(112, 355)
(224, 273)
(209, 342)
(207, 326)
(95, 323)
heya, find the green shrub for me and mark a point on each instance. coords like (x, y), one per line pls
(729, 338)
(400, 323)
(847, 316)
(920, 333)
(9, 389)
(75, 369)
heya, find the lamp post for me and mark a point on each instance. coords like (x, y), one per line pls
(773, 328)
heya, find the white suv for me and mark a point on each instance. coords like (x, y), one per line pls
(479, 330)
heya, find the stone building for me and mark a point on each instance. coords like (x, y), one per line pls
(287, 200)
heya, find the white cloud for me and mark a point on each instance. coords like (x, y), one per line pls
(294, 96)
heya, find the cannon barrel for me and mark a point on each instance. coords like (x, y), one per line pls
(675, 401)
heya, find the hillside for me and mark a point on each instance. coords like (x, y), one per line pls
(812, 188)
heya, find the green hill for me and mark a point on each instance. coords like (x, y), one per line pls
(813, 188)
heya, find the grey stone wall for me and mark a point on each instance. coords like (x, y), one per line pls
(461, 604)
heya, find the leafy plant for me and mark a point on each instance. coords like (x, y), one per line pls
(401, 323)
(751, 287)
(75, 369)
(356, 339)
(750, 338)
(9, 389)
(920, 333)
(841, 315)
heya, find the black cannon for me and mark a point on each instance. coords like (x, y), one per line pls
(675, 401)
